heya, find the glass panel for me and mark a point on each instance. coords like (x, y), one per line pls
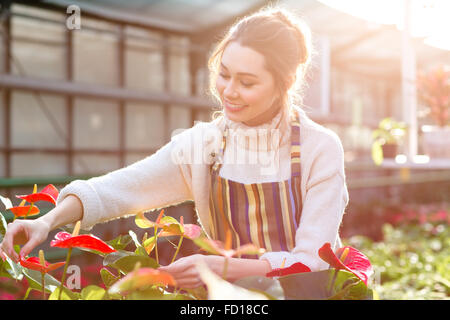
(2, 164)
(31, 123)
(38, 48)
(179, 78)
(143, 60)
(37, 12)
(96, 53)
(204, 116)
(2, 53)
(37, 165)
(179, 118)
(94, 164)
(202, 82)
(2, 120)
(96, 124)
(132, 157)
(145, 126)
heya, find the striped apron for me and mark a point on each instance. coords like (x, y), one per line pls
(265, 214)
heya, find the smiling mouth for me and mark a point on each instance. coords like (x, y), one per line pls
(233, 107)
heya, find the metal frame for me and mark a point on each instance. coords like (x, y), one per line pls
(71, 90)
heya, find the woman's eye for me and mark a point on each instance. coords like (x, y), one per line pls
(224, 76)
(247, 84)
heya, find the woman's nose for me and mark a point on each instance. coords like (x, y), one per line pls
(230, 90)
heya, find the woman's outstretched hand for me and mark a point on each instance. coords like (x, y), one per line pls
(29, 233)
(185, 272)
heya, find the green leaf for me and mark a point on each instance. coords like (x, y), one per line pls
(10, 269)
(126, 261)
(120, 243)
(150, 293)
(149, 244)
(348, 287)
(108, 278)
(140, 250)
(34, 280)
(267, 286)
(198, 293)
(377, 153)
(3, 226)
(93, 292)
(66, 294)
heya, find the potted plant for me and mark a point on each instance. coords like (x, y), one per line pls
(386, 139)
(433, 90)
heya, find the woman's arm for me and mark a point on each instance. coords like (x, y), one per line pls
(154, 182)
(31, 233)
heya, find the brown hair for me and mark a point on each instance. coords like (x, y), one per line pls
(282, 38)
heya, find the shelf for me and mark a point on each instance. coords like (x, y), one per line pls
(434, 164)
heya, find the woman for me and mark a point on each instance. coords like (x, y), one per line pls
(266, 173)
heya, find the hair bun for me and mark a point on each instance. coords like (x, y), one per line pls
(301, 32)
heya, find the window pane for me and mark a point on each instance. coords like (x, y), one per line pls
(132, 157)
(202, 79)
(2, 53)
(143, 60)
(179, 118)
(96, 53)
(38, 48)
(179, 78)
(37, 165)
(204, 116)
(2, 120)
(2, 164)
(96, 124)
(94, 164)
(31, 123)
(145, 126)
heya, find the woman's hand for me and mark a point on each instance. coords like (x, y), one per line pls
(184, 270)
(186, 275)
(29, 233)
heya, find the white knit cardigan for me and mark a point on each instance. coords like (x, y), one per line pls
(180, 171)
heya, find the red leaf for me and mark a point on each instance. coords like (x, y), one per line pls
(297, 267)
(87, 241)
(49, 193)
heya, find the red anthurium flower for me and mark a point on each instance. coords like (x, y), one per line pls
(297, 267)
(349, 259)
(34, 263)
(140, 278)
(22, 211)
(87, 241)
(49, 193)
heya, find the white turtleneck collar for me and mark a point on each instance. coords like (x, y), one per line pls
(279, 124)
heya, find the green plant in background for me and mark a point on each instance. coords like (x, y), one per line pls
(413, 260)
(387, 136)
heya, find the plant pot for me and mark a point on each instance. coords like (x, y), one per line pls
(436, 142)
(389, 150)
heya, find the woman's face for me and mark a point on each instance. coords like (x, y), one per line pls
(246, 88)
